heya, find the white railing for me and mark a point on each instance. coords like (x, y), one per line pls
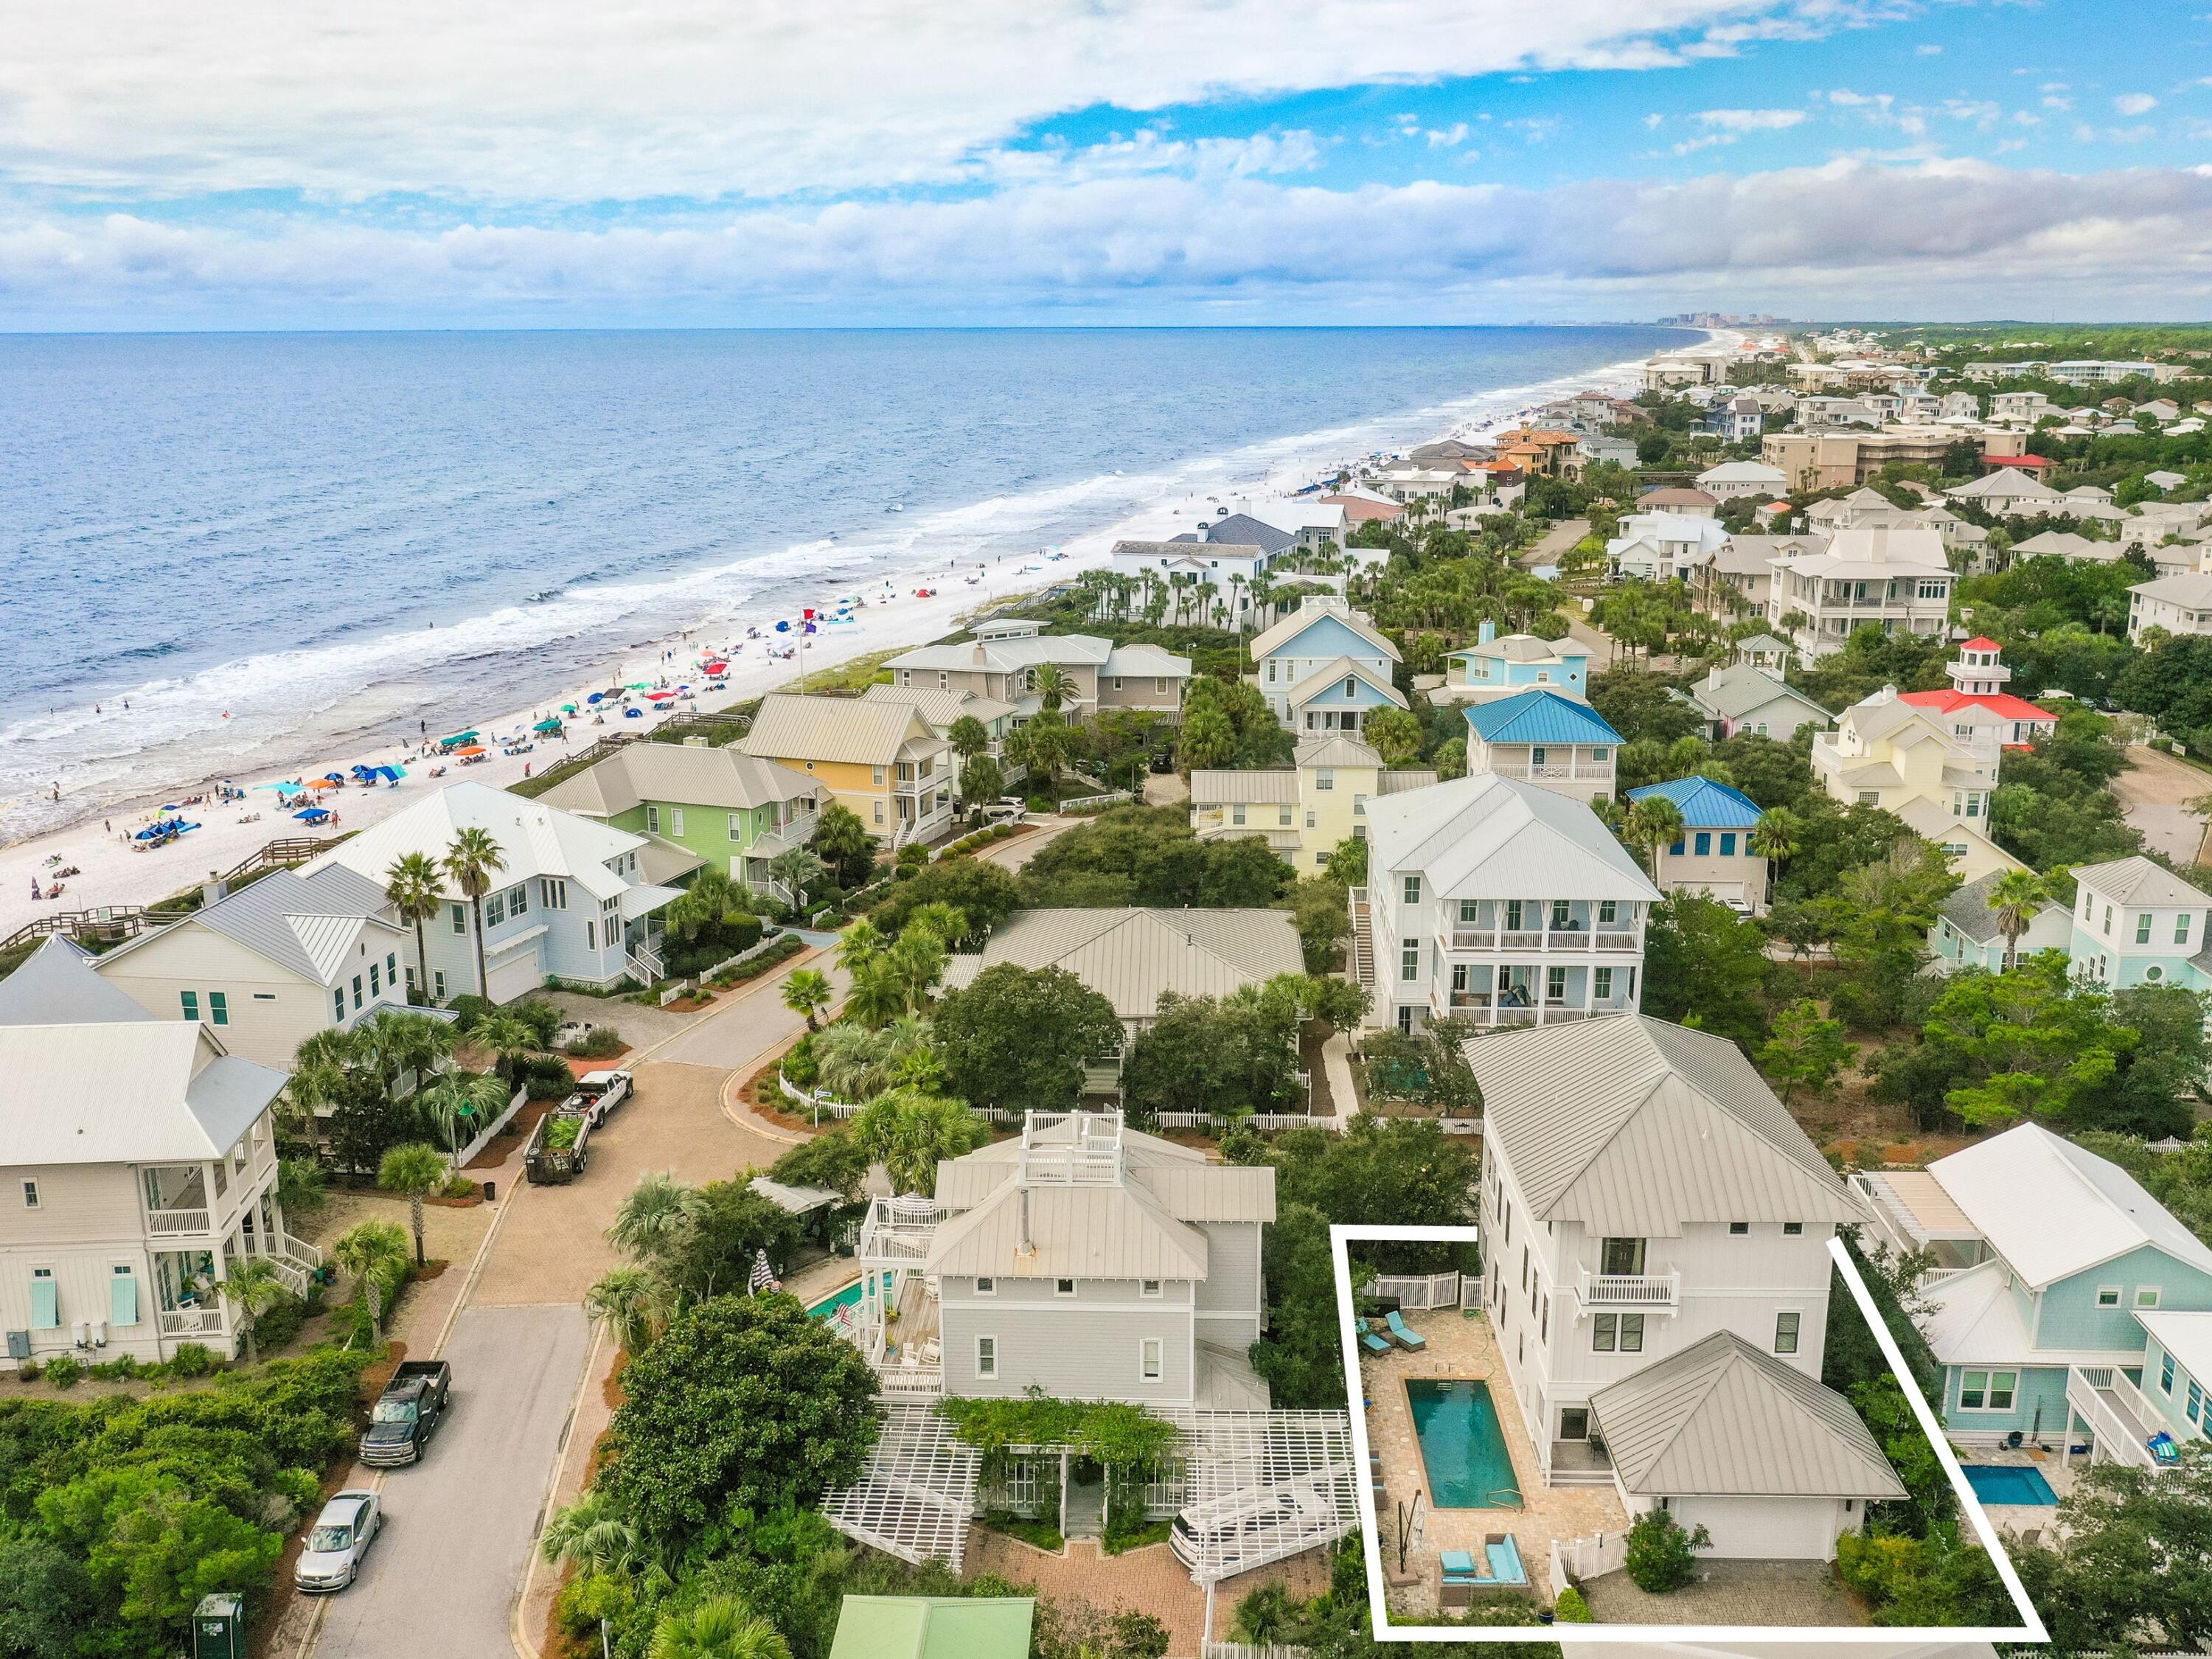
(2121, 1418)
(287, 1275)
(312, 1254)
(1252, 1651)
(910, 1382)
(1616, 942)
(1415, 1291)
(1629, 1290)
(164, 1223)
(1211, 1123)
(897, 1229)
(190, 1322)
(1588, 1558)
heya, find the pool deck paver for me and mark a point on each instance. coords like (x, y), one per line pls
(1797, 1594)
(1462, 1347)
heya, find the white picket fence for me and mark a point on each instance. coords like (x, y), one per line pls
(1578, 1558)
(1253, 1651)
(822, 1105)
(1415, 1291)
(1208, 1121)
(461, 1159)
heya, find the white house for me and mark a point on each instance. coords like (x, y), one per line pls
(1656, 1273)
(1493, 900)
(142, 1167)
(571, 899)
(2009, 492)
(1228, 569)
(1978, 706)
(1895, 578)
(268, 966)
(1732, 478)
(1557, 742)
(1662, 544)
(2180, 605)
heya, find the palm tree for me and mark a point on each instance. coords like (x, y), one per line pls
(367, 1250)
(862, 940)
(878, 994)
(797, 870)
(1054, 686)
(654, 1214)
(918, 960)
(720, 1628)
(471, 863)
(1653, 822)
(1778, 837)
(416, 892)
(947, 923)
(2016, 897)
(631, 1302)
(910, 1133)
(456, 1095)
(416, 1170)
(852, 1061)
(252, 1288)
(507, 1039)
(807, 991)
(589, 1535)
(967, 737)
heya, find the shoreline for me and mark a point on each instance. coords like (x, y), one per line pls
(894, 619)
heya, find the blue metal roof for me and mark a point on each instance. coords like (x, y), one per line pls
(1703, 803)
(1539, 716)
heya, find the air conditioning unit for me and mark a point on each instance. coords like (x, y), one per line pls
(81, 1334)
(99, 1333)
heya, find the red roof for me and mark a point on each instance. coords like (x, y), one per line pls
(2030, 462)
(2002, 704)
(1981, 642)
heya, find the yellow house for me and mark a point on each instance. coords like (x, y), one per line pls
(1906, 759)
(877, 758)
(1303, 811)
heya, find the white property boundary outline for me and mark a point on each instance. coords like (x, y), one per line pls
(2031, 1630)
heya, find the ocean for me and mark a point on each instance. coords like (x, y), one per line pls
(322, 536)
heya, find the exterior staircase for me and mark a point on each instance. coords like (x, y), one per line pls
(1362, 940)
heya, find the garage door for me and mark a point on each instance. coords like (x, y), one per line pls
(514, 976)
(1764, 1528)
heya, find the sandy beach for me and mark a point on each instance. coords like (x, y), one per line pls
(113, 869)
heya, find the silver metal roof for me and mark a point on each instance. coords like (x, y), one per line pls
(1635, 1127)
(126, 1090)
(58, 985)
(1306, 616)
(1276, 786)
(1130, 957)
(679, 774)
(306, 925)
(853, 730)
(2136, 880)
(1106, 1231)
(1489, 836)
(1722, 1419)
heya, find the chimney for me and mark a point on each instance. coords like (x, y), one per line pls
(1024, 1245)
(1486, 633)
(213, 890)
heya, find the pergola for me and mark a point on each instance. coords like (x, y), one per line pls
(1262, 1486)
(914, 1497)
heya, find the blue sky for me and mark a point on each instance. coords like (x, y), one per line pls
(263, 165)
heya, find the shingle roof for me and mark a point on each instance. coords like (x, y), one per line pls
(1721, 1419)
(1487, 836)
(1242, 530)
(851, 729)
(1130, 957)
(1634, 1127)
(2136, 880)
(2052, 1208)
(1539, 716)
(2192, 591)
(1704, 804)
(1969, 911)
(1524, 647)
(1734, 691)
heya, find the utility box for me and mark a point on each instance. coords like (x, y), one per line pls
(219, 1628)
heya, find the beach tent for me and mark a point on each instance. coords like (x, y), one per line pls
(470, 748)
(323, 783)
(313, 815)
(659, 696)
(547, 726)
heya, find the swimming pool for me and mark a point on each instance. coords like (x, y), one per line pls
(1462, 1445)
(2008, 1483)
(844, 1298)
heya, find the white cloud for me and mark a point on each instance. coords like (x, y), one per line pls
(1981, 113)
(1449, 138)
(1854, 232)
(1751, 120)
(1928, 52)
(2135, 103)
(1655, 120)
(582, 102)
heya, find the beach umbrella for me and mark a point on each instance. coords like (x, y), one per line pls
(334, 777)
(568, 708)
(472, 749)
(547, 726)
(762, 1277)
(659, 696)
(321, 783)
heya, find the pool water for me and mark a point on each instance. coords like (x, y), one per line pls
(1462, 1445)
(844, 1298)
(2006, 1483)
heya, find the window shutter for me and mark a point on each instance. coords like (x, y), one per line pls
(122, 1299)
(45, 1308)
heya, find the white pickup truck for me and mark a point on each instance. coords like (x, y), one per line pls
(599, 1093)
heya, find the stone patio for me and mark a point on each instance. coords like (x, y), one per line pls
(1792, 1593)
(1463, 1348)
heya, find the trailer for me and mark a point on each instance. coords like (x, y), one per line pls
(560, 1146)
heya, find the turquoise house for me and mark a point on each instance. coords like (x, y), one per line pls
(2041, 1333)
(2177, 1375)
(1326, 668)
(1966, 933)
(1493, 667)
(1542, 738)
(2135, 923)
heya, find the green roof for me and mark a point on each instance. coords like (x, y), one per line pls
(933, 1627)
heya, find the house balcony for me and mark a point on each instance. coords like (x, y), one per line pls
(173, 1223)
(192, 1324)
(1637, 1291)
(795, 831)
(2121, 1418)
(1453, 936)
(1484, 1009)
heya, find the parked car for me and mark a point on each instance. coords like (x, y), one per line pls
(597, 1093)
(1007, 809)
(407, 1414)
(338, 1542)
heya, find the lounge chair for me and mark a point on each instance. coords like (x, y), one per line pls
(1460, 1579)
(1407, 1335)
(1506, 1570)
(1369, 1340)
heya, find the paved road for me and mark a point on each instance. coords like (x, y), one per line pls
(741, 1033)
(1556, 543)
(2155, 793)
(442, 1578)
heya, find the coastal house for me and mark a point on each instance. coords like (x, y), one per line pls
(1745, 698)
(1304, 811)
(1493, 667)
(1325, 667)
(1002, 662)
(1656, 1273)
(1966, 933)
(2176, 1372)
(1733, 420)
(881, 761)
(2047, 1255)
(266, 966)
(2180, 605)
(1735, 579)
(728, 810)
(1663, 544)
(1558, 742)
(1733, 479)
(2010, 492)
(1978, 706)
(1906, 760)
(1712, 855)
(142, 1167)
(572, 899)
(944, 710)
(2137, 923)
(1208, 580)
(1896, 578)
(1496, 900)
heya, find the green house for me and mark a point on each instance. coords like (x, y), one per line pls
(933, 1627)
(727, 809)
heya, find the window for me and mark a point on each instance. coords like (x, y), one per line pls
(1236, 813)
(592, 935)
(1324, 780)
(356, 990)
(1601, 984)
(1561, 915)
(1555, 984)
(2195, 1401)
(2166, 1374)
(1063, 1287)
(1350, 686)
(1704, 843)
(2142, 928)
(986, 1356)
(219, 1004)
(1150, 1359)
(391, 974)
(30, 1195)
(438, 981)
(554, 895)
(460, 915)
(1621, 1257)
(190, 1001)
(1785, 1332)
(1869, 797)
(1675, 849)
(879, 813)
(674, 820)
(1536, 755)
(2147, 1296)
(1632, 1332)
(517, 897)
(1608, 911)
(2108, 1296)
(1409, 960)
(1793, 1229)
(1605, 1336)
(1470, 911)
(1727, 844)
(1574, 1423)
(876, 775)
(651, 819)
(1987, 1391)
(1933, 589)
(338, 1000)
(2108, 919)
(1739, 1229)
(495, 909)
(986, 1286)
(1148, 1287)
(2181, 928)
(375, 980)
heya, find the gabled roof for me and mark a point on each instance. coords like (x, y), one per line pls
(851, 730)
(1538, 715)
(1344, 668)
(1971, 915)
(1732, 692)
(58, 984)
(2007, 484)
(2002, 704)
(1130, 957)
(1704, 804)
(1973, 1318)
(1273, 786)
(534, 839)
(2052, 1209)
(2136, 880)
(306, 925)
(1487, 836)
(1242, 530)
(2192, 591)
(2186, 1336)
(1721, 1419)
(940, 709)
(1636, 1128)
(1270, 640)
(1525, 647)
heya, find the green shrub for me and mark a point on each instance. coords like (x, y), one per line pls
(540, 1016)
(561, 1133)
(1572, 1609)
(28, 1372)
(121, 1369)
(600, 1042)
(1660, 1556)
(64, 1372)
(280, 1322)
(800, 1065)
(192, 1360)
(590, 1596)
(468, 1012)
